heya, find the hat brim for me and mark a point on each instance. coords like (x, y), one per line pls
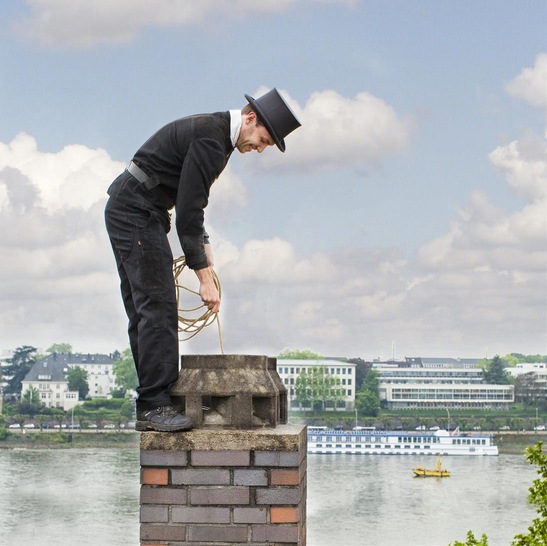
(279, 142)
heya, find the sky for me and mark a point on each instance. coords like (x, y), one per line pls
(408, 216)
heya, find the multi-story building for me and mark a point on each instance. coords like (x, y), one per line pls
(436, 384)
(532, 387)
(99, 368)
(290, 369)
(49, 377)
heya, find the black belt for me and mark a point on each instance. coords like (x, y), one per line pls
(140, 175)
(150, 184)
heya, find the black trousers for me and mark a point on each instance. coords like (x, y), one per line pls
(145, 266)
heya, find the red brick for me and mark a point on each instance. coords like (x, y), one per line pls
(155, 476)
(285, 477)
(284, 514)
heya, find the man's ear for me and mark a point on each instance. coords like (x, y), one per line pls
(250, 118)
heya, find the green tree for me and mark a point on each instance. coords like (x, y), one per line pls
(537, 532)
(367, 403)
(368, 396)
(18, 367)
(528, 390)
(77, 381)
(31, 396)
(30, 402)
(472, 541)
(316, 387)
(361, 370)
(495, 372)
(60, 348)
(299, 354)
(125, 372)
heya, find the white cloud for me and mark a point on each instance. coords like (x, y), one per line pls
(228, 196)
(57, 280)
(84, 24)
(487, 276)
(531, 83)
(340, 132)
(72, 178)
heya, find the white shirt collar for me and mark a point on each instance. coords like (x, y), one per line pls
(235, 125)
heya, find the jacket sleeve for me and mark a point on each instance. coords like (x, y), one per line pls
(204, 161)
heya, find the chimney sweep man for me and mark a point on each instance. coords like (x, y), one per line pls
(176, 167)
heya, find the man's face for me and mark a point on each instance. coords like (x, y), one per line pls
(253, 136)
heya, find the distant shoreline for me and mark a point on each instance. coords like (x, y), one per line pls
(509, 443)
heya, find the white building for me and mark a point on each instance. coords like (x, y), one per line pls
(538, 373)
(100, 374)
(440, 387)
(290, 369)
(539, 369)
(49, 378)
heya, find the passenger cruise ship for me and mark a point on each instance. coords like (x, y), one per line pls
(373, 442)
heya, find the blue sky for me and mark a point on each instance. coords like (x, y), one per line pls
(407, 215)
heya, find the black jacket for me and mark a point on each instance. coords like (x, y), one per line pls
(183, 159)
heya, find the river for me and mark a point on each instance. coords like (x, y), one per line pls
(88, 497)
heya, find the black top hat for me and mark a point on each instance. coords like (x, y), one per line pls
(276, 115)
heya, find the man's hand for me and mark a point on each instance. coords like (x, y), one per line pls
(207, 289)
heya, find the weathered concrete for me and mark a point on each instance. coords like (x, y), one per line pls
(285, 438)
(232, 391)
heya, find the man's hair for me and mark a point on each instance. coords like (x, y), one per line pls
(247, 109)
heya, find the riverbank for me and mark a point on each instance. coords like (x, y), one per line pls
(516, 443)
(510, 443)
(53, 440)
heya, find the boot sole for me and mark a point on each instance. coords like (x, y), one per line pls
(147, 426)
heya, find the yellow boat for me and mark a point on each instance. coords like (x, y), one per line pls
(437, 472)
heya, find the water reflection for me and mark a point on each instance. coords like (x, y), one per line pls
(67, 497)
(91, 496)
(375, 500)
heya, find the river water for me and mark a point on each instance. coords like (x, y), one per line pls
(89, 497)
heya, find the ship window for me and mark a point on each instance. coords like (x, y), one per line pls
(358, 446)
(368, 446)
(398, 446)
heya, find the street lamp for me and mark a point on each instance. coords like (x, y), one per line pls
(448, 424)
